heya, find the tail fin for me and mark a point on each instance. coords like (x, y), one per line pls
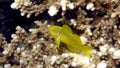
(87, 50)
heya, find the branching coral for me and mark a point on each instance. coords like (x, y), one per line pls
(28, 8)
(42, 29)
(96, 21)
(27, 49)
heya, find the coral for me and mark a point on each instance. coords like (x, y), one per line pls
(26, 47)
(30, 50)
(96, 22)
(42, 29)
(28, 7)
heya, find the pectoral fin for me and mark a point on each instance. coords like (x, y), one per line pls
(57, 41)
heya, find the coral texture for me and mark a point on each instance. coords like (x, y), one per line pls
(96, 22)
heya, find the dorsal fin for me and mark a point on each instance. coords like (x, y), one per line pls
(67, 28)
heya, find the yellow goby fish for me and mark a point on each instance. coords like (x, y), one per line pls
(65, 35)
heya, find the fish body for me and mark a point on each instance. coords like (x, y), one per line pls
(65, 35)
